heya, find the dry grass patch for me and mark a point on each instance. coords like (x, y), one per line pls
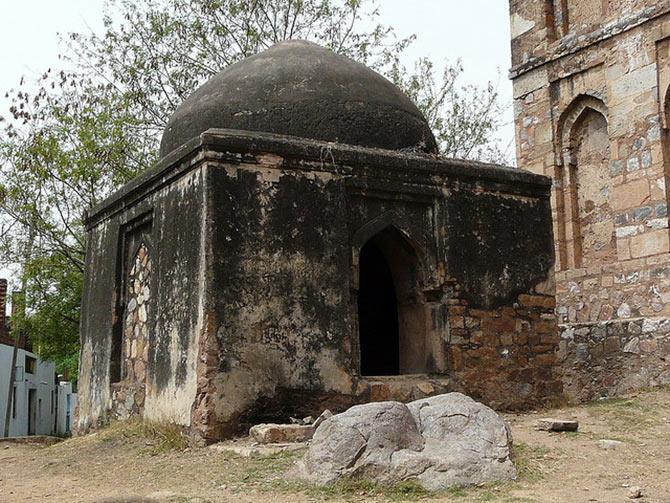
(155, 437)
(640, 413)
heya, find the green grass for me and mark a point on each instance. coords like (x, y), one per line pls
(408, 490)
(624, 414)
(268, 474)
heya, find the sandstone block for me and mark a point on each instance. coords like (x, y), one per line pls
(548, 424)
(635, 82)
(542, 301)
(631, 194)
(649, 243)
(281, 433)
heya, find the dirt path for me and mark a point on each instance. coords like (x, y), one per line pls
(135, 465)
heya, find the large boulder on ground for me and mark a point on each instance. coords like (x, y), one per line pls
(440, 442)
(360, 441)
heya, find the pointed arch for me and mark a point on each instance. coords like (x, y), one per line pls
(387, 220)
(666, 109)
(391, 310)
(585, 224)
(665, 140)
(581, 105)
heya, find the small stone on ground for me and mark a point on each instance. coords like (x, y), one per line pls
(252, 451)
(548, 424)
(609, 444)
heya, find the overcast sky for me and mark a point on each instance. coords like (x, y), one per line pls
(477, 31)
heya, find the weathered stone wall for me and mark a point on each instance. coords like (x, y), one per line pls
(619, 356)
(171, 205)
(507, 356)
(591, 82)
(288, 222)
(255, 242)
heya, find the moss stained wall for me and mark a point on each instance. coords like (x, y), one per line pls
(256, 240)
(285, 233)
(177, 212)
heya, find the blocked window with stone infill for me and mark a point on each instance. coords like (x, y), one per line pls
(135, 348)
(130, 342)
(584, 213)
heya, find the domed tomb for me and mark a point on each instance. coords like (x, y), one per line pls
(301, 89)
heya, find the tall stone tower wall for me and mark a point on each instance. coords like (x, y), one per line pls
(592, 110)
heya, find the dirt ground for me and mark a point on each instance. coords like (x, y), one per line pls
(145, 464)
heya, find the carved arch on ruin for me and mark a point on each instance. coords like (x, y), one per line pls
(569, 233)
(570, 117)
(665, 110)
(665, 141)
(369, 229)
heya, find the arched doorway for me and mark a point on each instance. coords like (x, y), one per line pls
(377, 314)
(391, 307)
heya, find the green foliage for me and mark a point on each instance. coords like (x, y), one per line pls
(66, 148)
(75, 136)
(54, 288)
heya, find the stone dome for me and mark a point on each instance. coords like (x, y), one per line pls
(302, 89)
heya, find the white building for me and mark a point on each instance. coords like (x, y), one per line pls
(42, 405)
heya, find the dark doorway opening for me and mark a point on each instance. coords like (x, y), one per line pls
(32, 411)
(377, 315)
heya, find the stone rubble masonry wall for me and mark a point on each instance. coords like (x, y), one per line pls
(506, 356)
(129, 394)
(609, 58)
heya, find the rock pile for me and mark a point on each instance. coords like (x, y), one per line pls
(440, 442)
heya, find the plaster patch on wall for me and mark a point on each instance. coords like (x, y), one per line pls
(529, 82)
(174, 402)
(520, 25)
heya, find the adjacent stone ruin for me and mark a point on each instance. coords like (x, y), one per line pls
(592, 98)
